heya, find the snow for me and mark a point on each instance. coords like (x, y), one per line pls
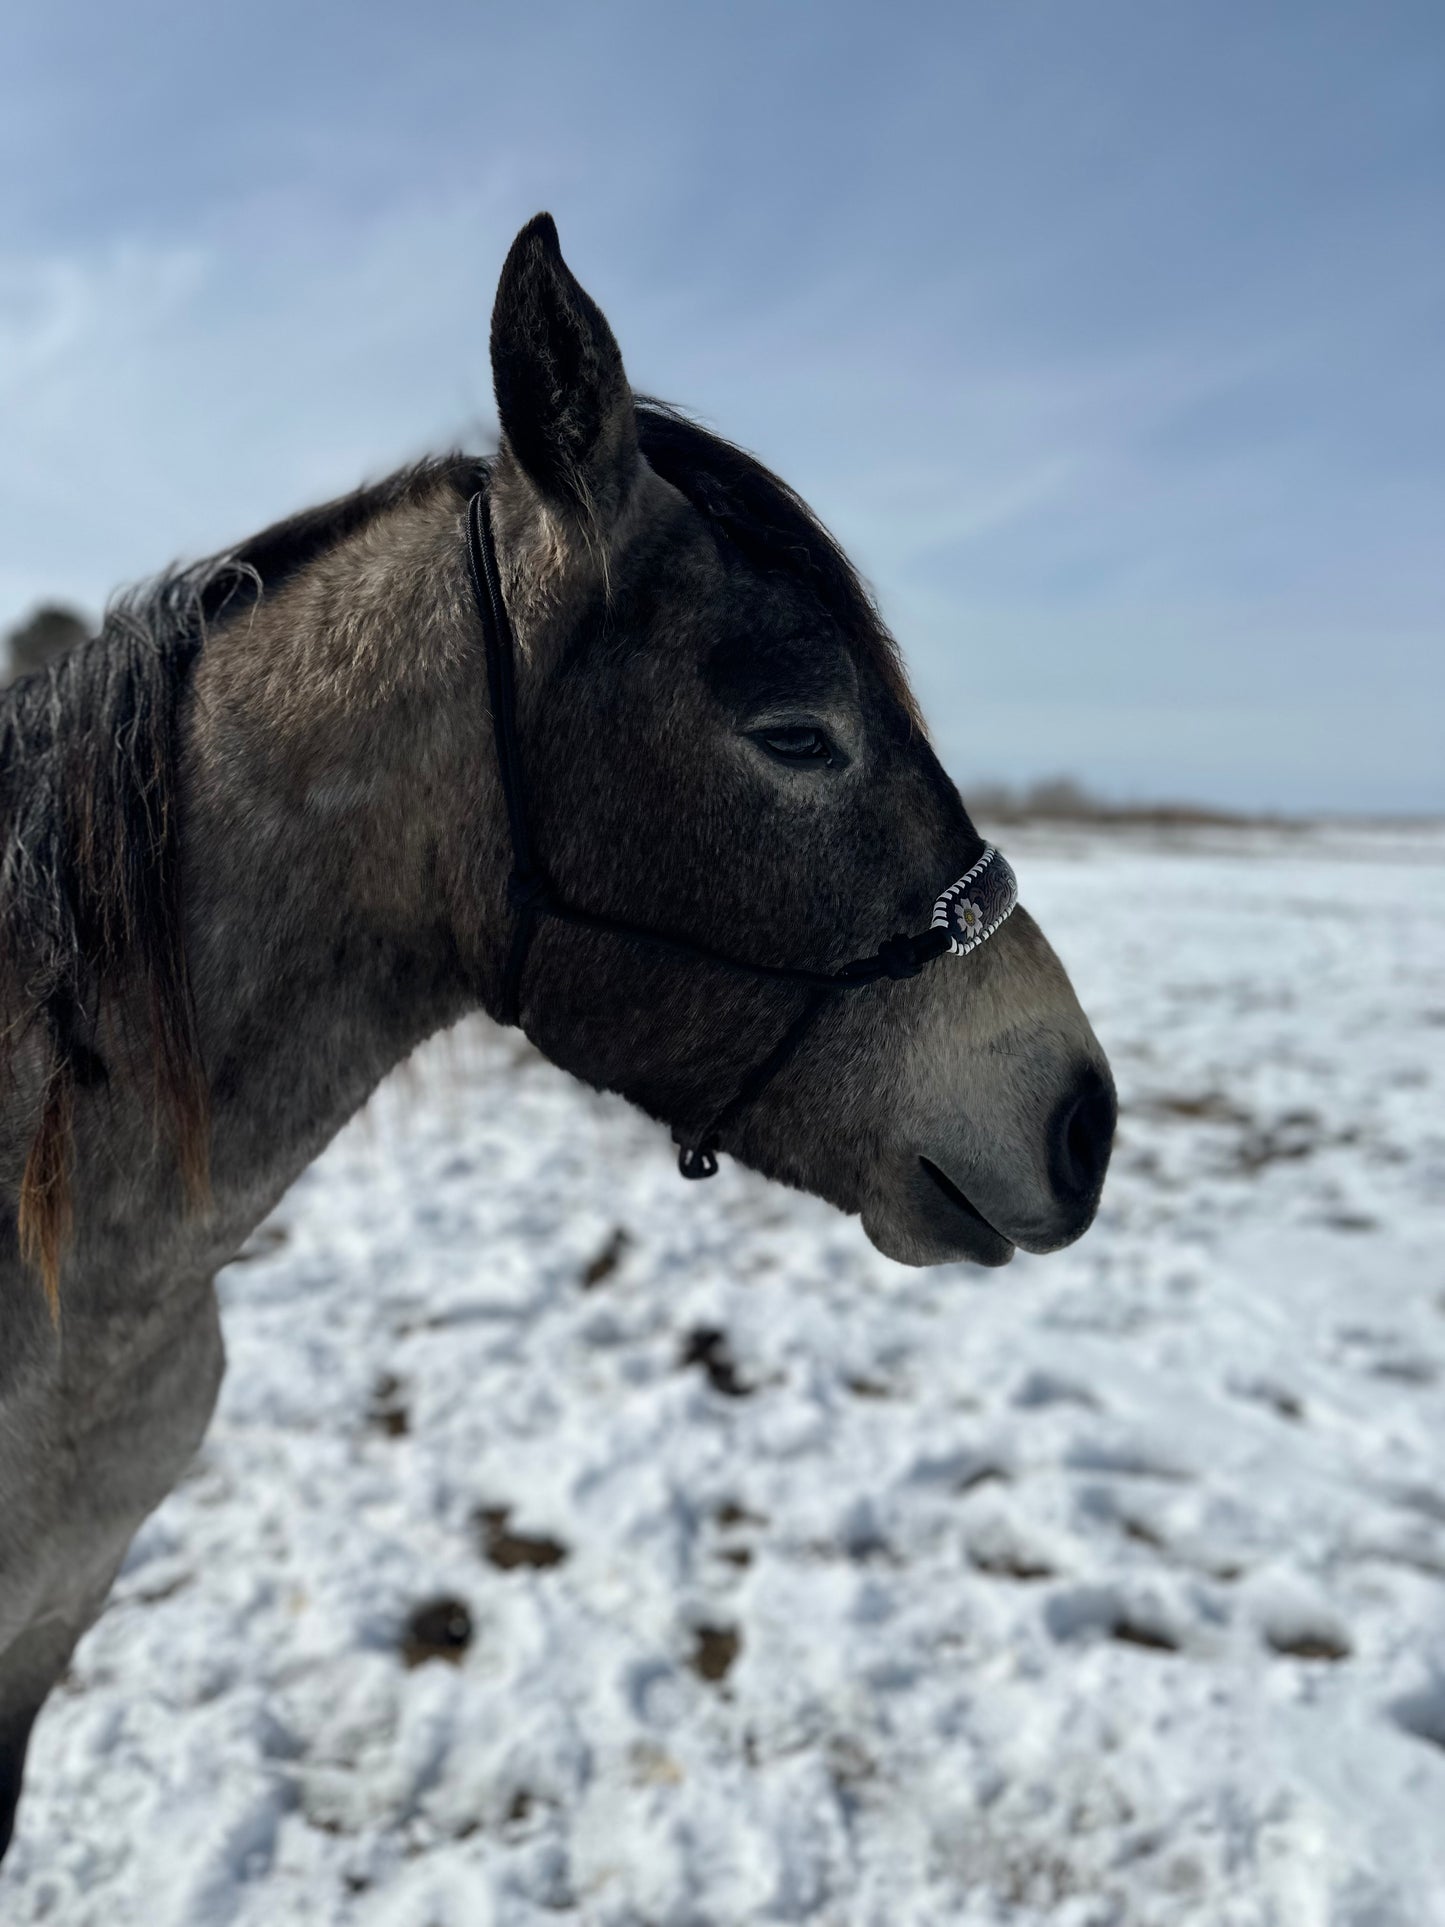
(789, 1585)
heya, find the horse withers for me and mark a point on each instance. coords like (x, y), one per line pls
(260, 837)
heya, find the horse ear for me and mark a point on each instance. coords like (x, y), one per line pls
(562, 393)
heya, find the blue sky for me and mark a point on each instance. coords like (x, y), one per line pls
(1110, 338)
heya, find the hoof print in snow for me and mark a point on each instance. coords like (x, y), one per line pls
(1319, 1642)
(732, 1518)
(1422, 1714)
(713, 1652)
(1204, 1107)
(1049, 1388)
(388, 1414)
(520, 1809)
(1133, 1633)
(1141, 1533)
(1297, 1622)
(730, 1515)
(1267, 1392)
(1350, 1221)
(983, 1472)
(1289, 1139)
(1093, 1612)
(862, 1387)
(509, 1550)
(1406, 1370)
(601, 1268)
(1007, 1562)
(708, 1348)
(440, 1629)
(1125, 1459)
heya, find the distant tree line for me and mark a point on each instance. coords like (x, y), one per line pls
(1063, 799)
(48, 632)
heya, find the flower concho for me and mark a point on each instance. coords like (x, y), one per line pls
(974, 907)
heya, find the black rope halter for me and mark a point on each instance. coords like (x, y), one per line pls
(966, 915)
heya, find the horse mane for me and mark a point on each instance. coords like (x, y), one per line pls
(90, 898)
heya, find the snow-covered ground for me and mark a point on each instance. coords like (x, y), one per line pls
(789, 1585)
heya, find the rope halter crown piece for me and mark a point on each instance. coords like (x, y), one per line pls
(966, 915)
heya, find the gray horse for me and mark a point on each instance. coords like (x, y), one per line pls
(254, 849)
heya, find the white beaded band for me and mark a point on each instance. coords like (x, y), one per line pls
(974, 907)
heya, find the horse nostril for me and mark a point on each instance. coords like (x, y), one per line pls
(1081, 1139)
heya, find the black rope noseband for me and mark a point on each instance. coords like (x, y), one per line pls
(960, 921)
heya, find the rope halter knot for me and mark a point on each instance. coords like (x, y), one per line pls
(899, 957)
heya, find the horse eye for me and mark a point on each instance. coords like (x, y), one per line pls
(797, 745)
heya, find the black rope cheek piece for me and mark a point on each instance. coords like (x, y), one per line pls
(961, 921)
(527, 889)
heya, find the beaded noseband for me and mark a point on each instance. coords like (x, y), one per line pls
(965, 916)
(974, 907)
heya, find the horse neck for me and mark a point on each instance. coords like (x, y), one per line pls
(341, 873)
(343, 868)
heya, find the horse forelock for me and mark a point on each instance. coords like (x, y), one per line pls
(774, 529)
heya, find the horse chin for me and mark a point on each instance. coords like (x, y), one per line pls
(924, 1219)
